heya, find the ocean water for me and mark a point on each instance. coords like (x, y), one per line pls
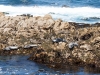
(19, 65)
(81, 11)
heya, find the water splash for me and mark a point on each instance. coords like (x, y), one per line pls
(77, 14)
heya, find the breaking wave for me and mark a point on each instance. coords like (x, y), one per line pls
(75, 14)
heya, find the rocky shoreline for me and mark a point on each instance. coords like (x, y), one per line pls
(50, 41)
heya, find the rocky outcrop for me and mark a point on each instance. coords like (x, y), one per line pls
(50, 41)
(1, 14)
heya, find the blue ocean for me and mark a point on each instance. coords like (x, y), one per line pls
(80, 11)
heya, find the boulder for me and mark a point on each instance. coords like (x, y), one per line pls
(7, 30)
(1, 14)
(49, 23)
(98, 28)
(40, 23)
(87, 47)
(2, 46)
(86, 36)
(1, 30)
(96, 39)
(64, 25)
(61, 45)
(47, 16)
(57, 24)
(72, 29)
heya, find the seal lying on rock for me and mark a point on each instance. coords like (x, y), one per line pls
(30, 46)
(72, 44)
(57, 40)
(11, 48)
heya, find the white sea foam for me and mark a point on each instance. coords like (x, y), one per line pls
(77, 14)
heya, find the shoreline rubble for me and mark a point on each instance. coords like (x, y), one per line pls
(17, 31)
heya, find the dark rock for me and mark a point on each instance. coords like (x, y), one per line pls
(58, 54)
(90, 18)
(51, 13)
(75, 38)
(29, 15)
(86, 36)
(65, 6)
(23, 15)
(5, 12)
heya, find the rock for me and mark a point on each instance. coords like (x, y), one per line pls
(91, 18)
(51, 13)
(86, 47)
(64, 25)
(2, 46)
(96, 40)
(72, 29)
(65, 6)
(7, 30)
(1, 30)
(26, 15)
(49, 23)
(98, 28)
(23, 30)
(47, 16)
(5, 12)
(61, 45)
(1, 14)
(57, 24)
(86, 36)
(10, 41)
(40, 23)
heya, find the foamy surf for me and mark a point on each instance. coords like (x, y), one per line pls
(76, 14)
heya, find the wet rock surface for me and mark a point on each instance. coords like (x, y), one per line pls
(50, 41)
